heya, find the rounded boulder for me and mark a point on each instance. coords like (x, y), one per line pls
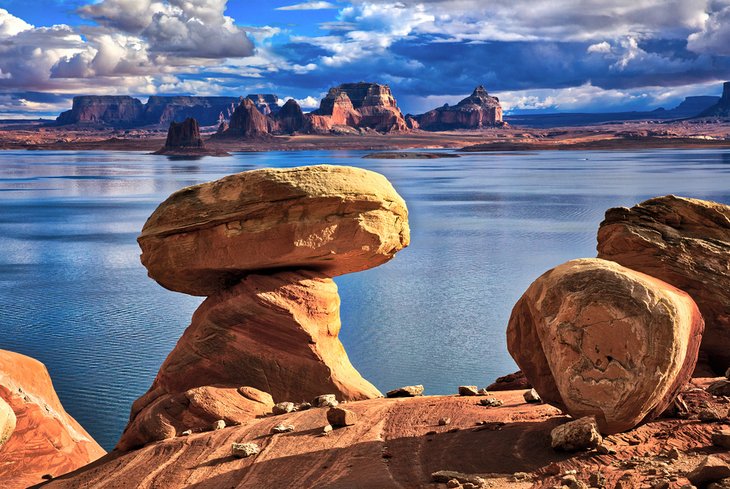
(598, 339)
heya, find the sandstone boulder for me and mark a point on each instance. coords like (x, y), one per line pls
(7, 422)
(163, 413)
(333, 219)
(598, 339)
(339, 417)
(45, 439)
(406, 391)
(581, 434)
(685, 242)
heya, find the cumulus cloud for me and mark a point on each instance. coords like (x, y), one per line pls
(714, 36)
(309, 6)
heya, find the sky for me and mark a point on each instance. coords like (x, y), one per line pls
(548, 55)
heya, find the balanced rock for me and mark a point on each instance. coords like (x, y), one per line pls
(45, 439)
(165, 413)
(685, 242)
(598, 339)
(333, 219)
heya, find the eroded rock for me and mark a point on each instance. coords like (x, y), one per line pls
(406, 391)
(684, 242)
(339, 417)
(581, 434)
(598, 339)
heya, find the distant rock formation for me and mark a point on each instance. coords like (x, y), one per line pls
(183, 139)
(45, 439)
(474, 112)
(722, 107)
(338, 107)
(361, 105)
(266, 103)
(263, 246)
(598, 339)
(103, 110)
(685, 242)
(248, 122)
(162, 110)
(290, 118)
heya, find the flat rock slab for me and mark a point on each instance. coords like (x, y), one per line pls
(332, 219)
(598, 339)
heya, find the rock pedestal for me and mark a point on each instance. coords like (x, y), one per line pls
(263, 246)
(598, 339)
(685, 242)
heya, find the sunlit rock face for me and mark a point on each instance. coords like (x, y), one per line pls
(598, 339)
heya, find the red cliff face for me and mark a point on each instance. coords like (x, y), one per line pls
(290, 118)
(248, 122)
(107, 109)
(362, 105)
(474, 112)
(184, 134)
(45, 440)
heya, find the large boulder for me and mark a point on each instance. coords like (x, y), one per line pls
(598, 339)
(328, 218)
(685, 242)
(45, 439)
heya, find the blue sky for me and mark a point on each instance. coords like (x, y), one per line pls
(570, 55)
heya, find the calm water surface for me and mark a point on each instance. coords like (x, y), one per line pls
(74, 295)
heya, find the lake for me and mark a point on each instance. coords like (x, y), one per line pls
(483, 227)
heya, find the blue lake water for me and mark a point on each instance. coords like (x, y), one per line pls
(74, 295)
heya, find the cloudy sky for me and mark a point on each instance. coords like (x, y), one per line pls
(552, 55)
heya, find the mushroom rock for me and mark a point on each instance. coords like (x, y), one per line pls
(290, 118)
(263, 246)
(685, 242)
(598, 339)
(162, 414)
(332, 219)
(45, 439)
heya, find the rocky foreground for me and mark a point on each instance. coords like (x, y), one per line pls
(259, 391)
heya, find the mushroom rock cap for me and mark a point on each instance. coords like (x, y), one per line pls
(598, 339)
(330, 219)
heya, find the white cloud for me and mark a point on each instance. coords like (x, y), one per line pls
(306, 103)
(309, 6)
(714, 35)
(11, 25)
(601, 47)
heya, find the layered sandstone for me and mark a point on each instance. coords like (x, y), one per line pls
(332, 219)
(474, 112)
(103, 109)
(45, 439)
(162, 110)
(598, 339)
(338, 108)
(263, 245)
(362, 106)
(685, 242)
(266, 103)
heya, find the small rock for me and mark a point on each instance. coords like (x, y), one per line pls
(597, 479)
(604, 450)
(453, 430)
(282, 428)
(186, 433)
(674, 453)
(721, 439)
(453, 483)
(660, 484)
(302, 406)
(581, 434)
(326, 400)
(469, 485)
(490, 402)
(722, 484)
(710, 415)
(572, 482)
(447, 475)
(521, 476)
(468, 390)
(283, 408)
(711, 469)
(339, 417)
(483, 392)
(532, 396)
(218, 425)
(327, 429)
(720, 388)
(407, 391)
(244, 450)
(47, 477)
(444, 421)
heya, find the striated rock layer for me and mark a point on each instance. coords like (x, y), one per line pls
(103, 109)
(45, 439)
(248, 122)
(332, 219)
(598, 339)
(685, 242)
(474, 112)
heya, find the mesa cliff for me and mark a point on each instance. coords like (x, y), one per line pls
(474, 112)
